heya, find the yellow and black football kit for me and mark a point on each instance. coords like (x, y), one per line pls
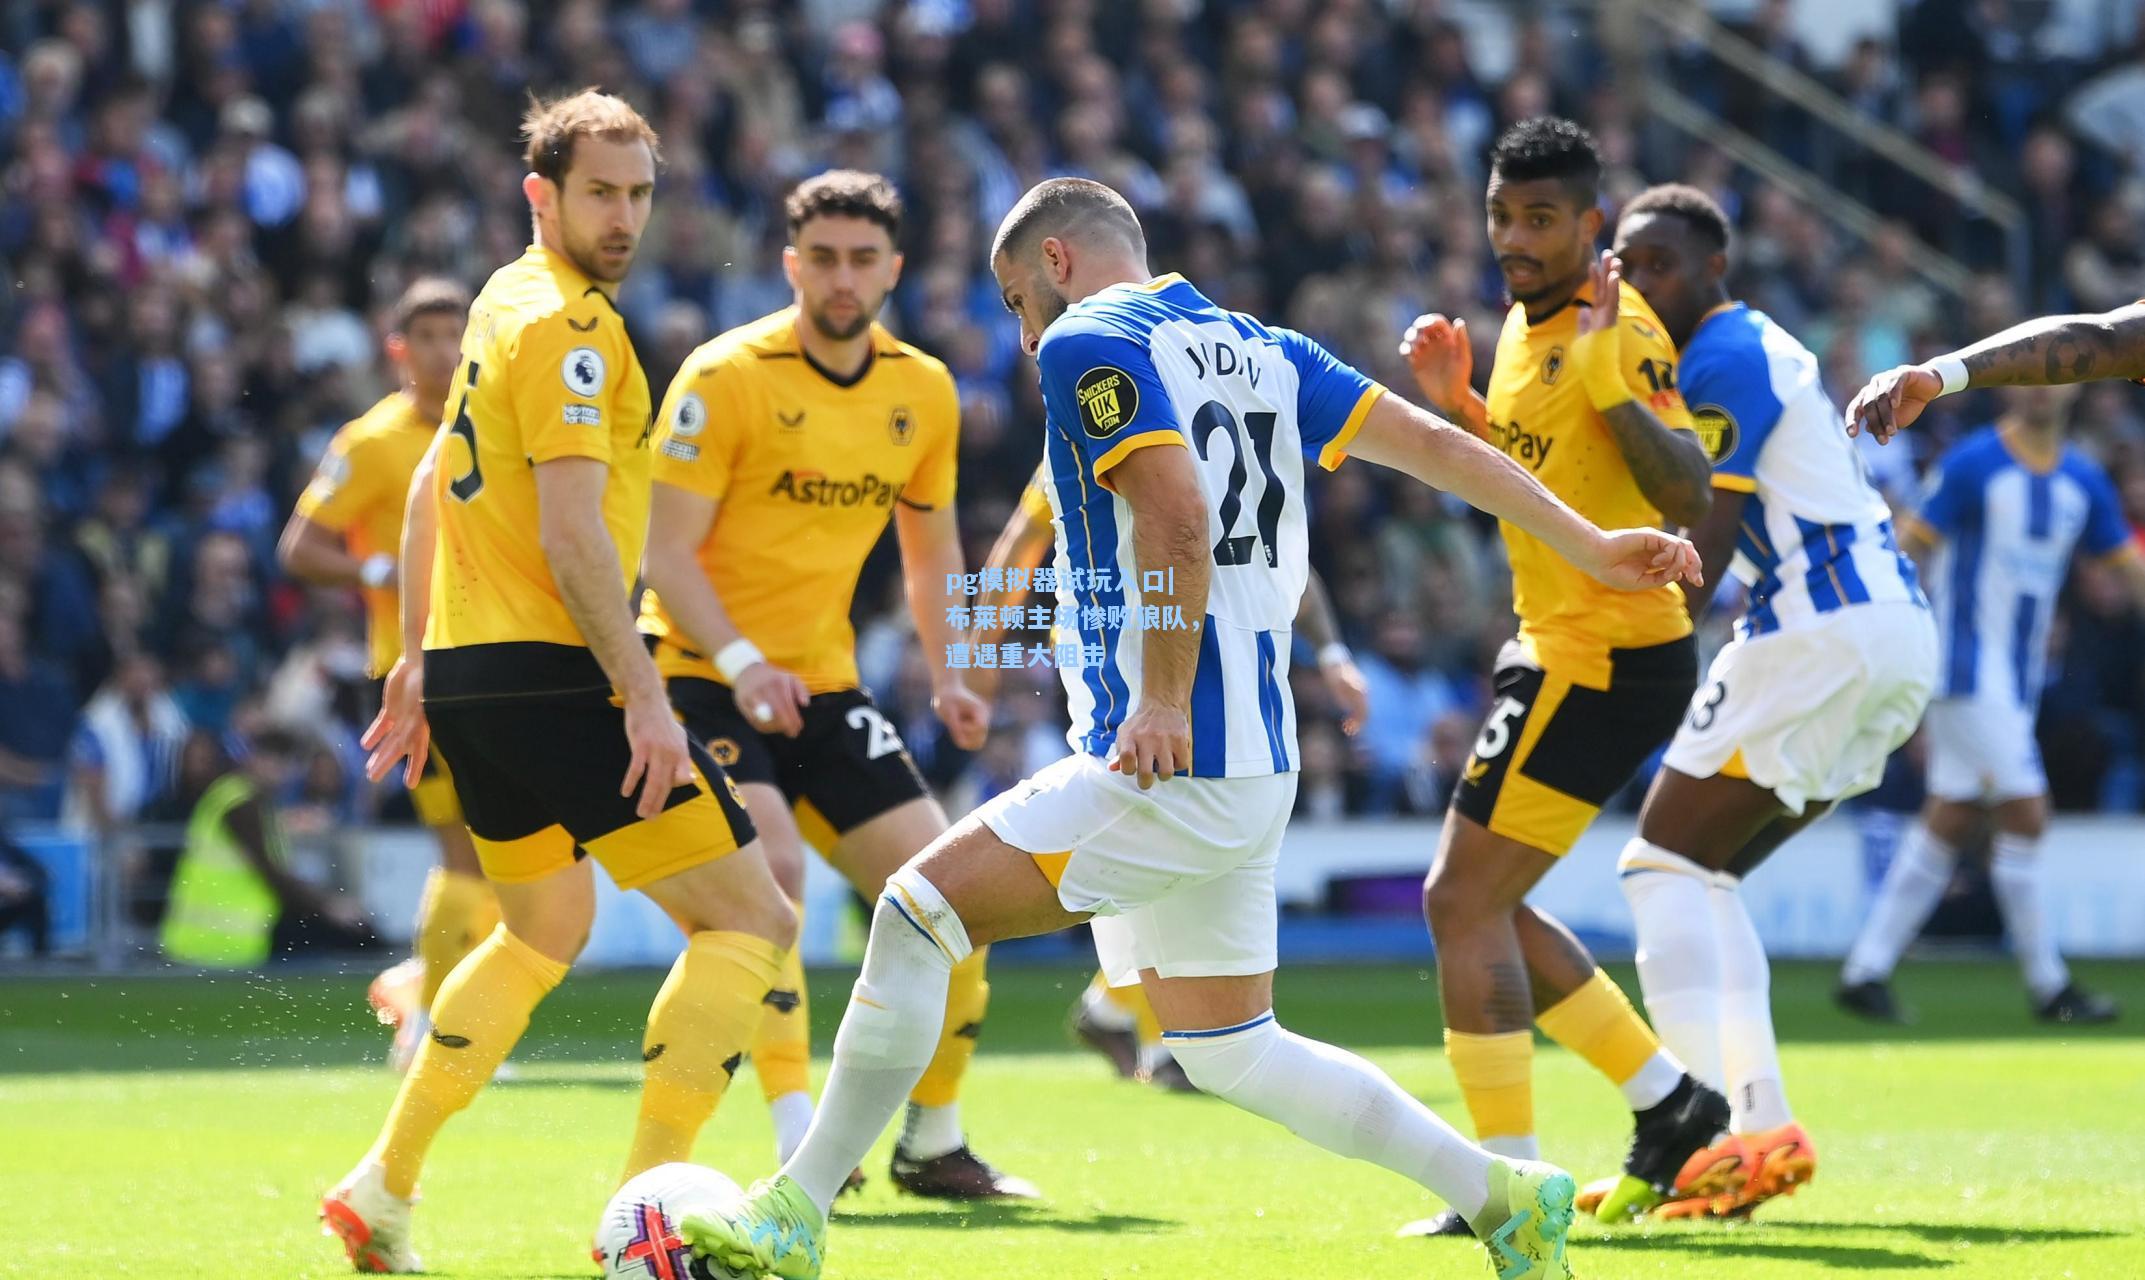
(805, 468)
(1597, 678)
(360, 491)
(518, 704)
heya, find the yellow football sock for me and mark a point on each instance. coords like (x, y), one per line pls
(456, 913)
(967, 996)
(1133, 1000)
(1598, 1023)
(698, 1028)
(482, 1010)
(1496, 1076)
(782, 1050)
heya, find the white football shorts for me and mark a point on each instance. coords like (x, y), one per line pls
(1180, 877)
(1983, 750)
(1811, 712)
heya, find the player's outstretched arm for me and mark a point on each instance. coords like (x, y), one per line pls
(311, 552)
(1314, 617)
(930, 539)
(1024, 543)
(2045, 352)
(1396, 434)
(584, 563)
(1169, 537)
(1670, 466)
(400, 731)
(1440, 356)
(678, 525)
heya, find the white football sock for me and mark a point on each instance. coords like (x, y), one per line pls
(1655, 1079)
(1337, 1100)
(1917, 878)
(1749, 1054)
(888, 1033)
(2015, 874)
(1678, 957)
(931, 1132)
(1524, 1146)
(1153, 1057)
(792, 1115)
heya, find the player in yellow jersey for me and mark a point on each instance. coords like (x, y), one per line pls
(1118, 1022)
(522, 540)
(1583, 394)
(347, 531)
(788, 444)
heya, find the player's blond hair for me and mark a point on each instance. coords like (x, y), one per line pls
(429, 296)
(550, 129)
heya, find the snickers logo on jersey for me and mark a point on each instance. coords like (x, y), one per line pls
(583, 371)
(1108, 399)
(818, 489)
(1717, 431)
(1521, 444)
(901, 426)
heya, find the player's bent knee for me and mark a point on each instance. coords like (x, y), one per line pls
(911, 902)
(1225, 1061)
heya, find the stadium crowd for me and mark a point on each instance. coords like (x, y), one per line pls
(207, 207)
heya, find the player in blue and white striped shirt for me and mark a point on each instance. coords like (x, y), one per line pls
(1175, 450)
(2004, 511)
(1830, 668)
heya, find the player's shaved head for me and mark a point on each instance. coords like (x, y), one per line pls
(1074, 210)
(1066, 238)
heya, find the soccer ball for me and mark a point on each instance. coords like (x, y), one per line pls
(639, 1233)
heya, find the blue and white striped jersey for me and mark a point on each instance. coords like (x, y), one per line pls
(1816, 536)
(1159, 364)
(2007, 532)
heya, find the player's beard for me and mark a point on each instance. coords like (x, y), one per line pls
(586, 255)
(834, 332)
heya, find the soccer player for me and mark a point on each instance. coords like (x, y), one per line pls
(1118, 1022)
(2008, 506)
(1583, 394)
(1176, 439)
(346, 531)
(789, 443)
(523, 536)
(1830, 668)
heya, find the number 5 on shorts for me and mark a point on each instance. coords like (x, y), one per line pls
(1496, 732)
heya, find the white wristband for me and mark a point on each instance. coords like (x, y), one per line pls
(735, 657)
(1335, 654)
(1952, 371)
(377, 569)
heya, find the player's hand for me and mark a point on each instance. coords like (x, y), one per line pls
(1351, 692)
(964, 712)
(1636, 559)
(400, 731)
(1442, 359)
(1892, 401)
(1155, 741)
(772, 699)
(1602, 285)
(661, 760)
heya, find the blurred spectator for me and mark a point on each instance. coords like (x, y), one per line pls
(204, 209)
(23, 897)
(125, 752)
(234, 901)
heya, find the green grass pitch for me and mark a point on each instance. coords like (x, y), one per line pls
(184, 1127)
